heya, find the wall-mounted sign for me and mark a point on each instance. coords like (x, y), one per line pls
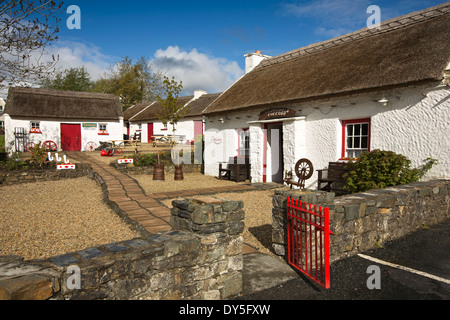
(276, 114)
(89, 126)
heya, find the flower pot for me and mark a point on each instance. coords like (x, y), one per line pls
(158, 172)
(178, 172)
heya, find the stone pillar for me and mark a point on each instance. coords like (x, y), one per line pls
(219, 224)
(279, 212)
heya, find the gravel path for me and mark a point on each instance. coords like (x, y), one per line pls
(44, 219)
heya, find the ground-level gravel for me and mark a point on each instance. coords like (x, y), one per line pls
(44, 219)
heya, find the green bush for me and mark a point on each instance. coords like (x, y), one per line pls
(381, 169)
(145, 159)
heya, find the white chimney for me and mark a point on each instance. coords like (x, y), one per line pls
(199, 93)
(253, 59)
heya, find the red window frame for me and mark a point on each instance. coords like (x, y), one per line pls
(344, 133)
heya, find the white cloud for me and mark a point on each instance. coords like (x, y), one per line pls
(76, 54)
(197, 70)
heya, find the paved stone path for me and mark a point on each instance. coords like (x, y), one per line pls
(143, 208)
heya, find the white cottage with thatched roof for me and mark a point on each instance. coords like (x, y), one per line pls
(371, 89)
(73, 121)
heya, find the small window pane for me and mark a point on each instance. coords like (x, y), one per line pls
(349, 142)
(365, 142)
(357, 143)
(349, 130)
(365, 129)
(357, 130)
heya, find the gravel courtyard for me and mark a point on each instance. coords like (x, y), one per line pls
(44, 219)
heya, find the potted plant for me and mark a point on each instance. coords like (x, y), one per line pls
(158, 170)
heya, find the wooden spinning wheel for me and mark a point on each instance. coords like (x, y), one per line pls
(304, 170)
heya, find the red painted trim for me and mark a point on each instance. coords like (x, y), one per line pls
(344, 132)
(265, 154)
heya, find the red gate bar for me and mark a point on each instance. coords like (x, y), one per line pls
(308, 240)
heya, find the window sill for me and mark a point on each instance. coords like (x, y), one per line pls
(35, 131)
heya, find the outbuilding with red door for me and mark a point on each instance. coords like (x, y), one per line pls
(65, 120)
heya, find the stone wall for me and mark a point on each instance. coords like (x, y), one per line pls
(200, 259)
(35, 175)
(366, 220)
(168, 169)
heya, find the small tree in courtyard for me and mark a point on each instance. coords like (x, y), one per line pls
(171, 112)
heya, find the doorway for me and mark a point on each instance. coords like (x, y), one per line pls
(273, 159)
(70, 137)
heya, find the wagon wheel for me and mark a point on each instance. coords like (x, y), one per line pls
(50, 146)
(29, 147)
(119, 152)
(304, 169)
(91, 146)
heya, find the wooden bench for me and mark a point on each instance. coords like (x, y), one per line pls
(235, 170)
(334, 178)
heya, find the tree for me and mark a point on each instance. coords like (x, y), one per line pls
(171, 111)
(132, 82)
(73, 79)
(26, 29)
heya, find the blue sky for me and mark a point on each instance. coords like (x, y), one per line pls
(203, 43)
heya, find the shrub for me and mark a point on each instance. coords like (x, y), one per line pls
(145, 159)
(382, 169)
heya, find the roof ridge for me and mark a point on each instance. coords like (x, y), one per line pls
(386, 26)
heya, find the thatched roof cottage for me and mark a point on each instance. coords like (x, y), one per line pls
(70, 119)
(144, 118)
(371, 89)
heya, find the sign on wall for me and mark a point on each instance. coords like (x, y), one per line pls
(89, 126)
(277, 114)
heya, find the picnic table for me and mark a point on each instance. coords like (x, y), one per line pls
(159, 141)
(122, 143)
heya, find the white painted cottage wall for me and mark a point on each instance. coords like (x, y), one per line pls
(51, 130)
(415, 123)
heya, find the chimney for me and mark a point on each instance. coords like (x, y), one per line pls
(253, 59)
(199, 93)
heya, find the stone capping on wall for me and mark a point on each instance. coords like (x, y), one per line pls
(200, 259)
(364, 221)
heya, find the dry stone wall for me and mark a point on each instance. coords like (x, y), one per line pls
(367, 220)
(201, 258)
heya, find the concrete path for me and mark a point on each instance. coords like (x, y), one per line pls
(143, 208)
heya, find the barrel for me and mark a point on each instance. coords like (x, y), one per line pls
(178, 172)
(158, 172)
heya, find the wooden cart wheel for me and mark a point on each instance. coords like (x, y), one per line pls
(50, 146)
(304, 169)
(91, 146)
(29, 147)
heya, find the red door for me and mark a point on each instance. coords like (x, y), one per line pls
(71, 137)
(198, 128)
(150, 132)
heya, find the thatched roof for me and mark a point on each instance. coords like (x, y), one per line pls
(196, 107)
(35, 103)
(406, 50)
(134, 110)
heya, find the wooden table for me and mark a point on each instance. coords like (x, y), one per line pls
(134, 144)
(163, 140)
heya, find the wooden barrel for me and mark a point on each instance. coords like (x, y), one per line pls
(178, 173)
(158, 172)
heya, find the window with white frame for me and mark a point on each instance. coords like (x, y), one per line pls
(355, 137)
(35, 127)
(243, 142)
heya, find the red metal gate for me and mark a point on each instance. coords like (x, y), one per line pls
(309, 240)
